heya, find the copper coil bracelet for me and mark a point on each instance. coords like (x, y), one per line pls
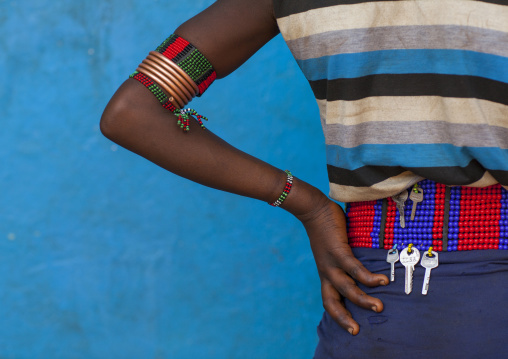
(170, 73)
(163, 82)
(170, 79)
(184, 78)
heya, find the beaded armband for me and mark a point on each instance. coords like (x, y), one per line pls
(175, 73)
(190, 60)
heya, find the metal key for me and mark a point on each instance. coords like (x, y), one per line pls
(416, 196)
(428, 262)
(400, 201)
(409, 257)
(392, 257)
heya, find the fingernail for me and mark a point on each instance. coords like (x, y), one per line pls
(374, 308)
(350, 330)
(382, 282)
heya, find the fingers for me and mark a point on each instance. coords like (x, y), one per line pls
(347, 288)
(338, 268)
(338, 286)
(334, 307)
(352, 266)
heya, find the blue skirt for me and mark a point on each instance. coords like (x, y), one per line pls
(464, 315)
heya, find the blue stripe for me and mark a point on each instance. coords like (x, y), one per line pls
(416, 155)
(449, 62)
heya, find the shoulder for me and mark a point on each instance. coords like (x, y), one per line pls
(230, 31)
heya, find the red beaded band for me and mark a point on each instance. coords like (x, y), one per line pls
(287, 189)
(190, 60)
(448, 219)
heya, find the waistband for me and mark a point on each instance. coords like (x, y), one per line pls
(447, 219)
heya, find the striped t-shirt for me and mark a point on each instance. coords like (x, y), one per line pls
(406, 90)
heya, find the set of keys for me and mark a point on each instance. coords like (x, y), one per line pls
(409, 257)
(415, 195)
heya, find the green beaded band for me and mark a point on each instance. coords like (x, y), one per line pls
(287, 189)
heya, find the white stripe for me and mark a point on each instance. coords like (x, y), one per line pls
(395, 13)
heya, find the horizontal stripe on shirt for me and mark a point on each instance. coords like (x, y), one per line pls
(400, 37)
(414, 108)
(371, 175)
(390, 187)
(411, 85)
(402, 132)
(394, 13)
(414, 155)
(366, 176)
(298, 6)
(447, 62)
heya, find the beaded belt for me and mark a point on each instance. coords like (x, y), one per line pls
(447, 218)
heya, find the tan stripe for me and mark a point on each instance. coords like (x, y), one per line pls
(486, 180)
(387, 188)
(414, 108)
(395, 13)
(390, 187)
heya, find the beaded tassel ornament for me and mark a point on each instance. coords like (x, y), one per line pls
(183, 115)
(182, 71)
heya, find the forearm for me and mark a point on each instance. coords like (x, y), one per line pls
(135, 120)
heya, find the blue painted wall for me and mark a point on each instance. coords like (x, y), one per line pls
(105, 255)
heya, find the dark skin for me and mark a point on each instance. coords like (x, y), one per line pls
(135, 120)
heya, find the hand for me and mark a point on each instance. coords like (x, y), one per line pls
(337, 267)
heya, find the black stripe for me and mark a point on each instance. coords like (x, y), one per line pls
(411, 85)
(446, 218)
(204, 76)
(454, 175)
(284, 8)
(182, 55)
(362, 177)
(497, 2)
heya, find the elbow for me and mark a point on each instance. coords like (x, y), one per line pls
(108, 122)
(114, 113)
(123, 111)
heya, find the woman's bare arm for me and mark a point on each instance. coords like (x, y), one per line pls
(228, 33)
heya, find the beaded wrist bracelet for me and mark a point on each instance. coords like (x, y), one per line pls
(287, 188)
(175, 73)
